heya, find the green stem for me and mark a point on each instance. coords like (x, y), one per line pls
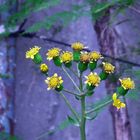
(83, 119)
(74, 72)
(71, 92)
(98, 107)
(71, 79)
(70, 107)
(83, 108)
(81, 84)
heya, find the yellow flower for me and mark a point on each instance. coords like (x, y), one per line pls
(92, 79)
(127, 83)
(54, 52)
(77, 46)
(54, 82)
(43, 68)
(84, 57)
(117, 102)
(108, 68)
(66, 57)
(94, 56)
(32, 52)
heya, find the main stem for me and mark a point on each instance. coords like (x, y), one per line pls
(83, 119)
(83, 109)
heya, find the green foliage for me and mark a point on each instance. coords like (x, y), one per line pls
(30, 7)
(4, 76)
(6, 136)
(98, 107)
(64, 16)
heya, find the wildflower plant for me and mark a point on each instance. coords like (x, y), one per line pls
(84, 61)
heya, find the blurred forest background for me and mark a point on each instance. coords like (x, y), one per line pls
(109, 26)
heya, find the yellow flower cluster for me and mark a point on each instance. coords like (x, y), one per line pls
(54, 82)
(52, 53)
(108, 68)
(84, 57)
(43, 68)
(127, 83)
(117, 102)
(32, 52)
(92, 79)
(66, 57)
(77, 46)
(95, 56)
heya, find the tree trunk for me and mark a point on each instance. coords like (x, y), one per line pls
(107, 40)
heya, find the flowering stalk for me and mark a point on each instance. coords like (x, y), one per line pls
(83, 108)
(84, 60)
(70, 107)
(71, 79)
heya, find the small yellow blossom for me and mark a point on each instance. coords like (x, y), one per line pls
(117, 102)
(77, 46)
(43, 68)
(54, 82)
(32, 52)
(66, 57)
(108, 68)
(94, 56)
(52, 53)
(84, 57)
(127, 83)
(92, 79)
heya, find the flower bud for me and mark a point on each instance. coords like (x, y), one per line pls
(59, 88)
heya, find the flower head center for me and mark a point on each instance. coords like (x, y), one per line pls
(66, 57)
(43, 67)
(52, 53)
(108, 68)
(127, 83)
(77, 46)
(54, 82)
(93, 79)
(94, 56)
(32, 52)
(84, 57)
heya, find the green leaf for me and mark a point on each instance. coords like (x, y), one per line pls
(73, 121)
